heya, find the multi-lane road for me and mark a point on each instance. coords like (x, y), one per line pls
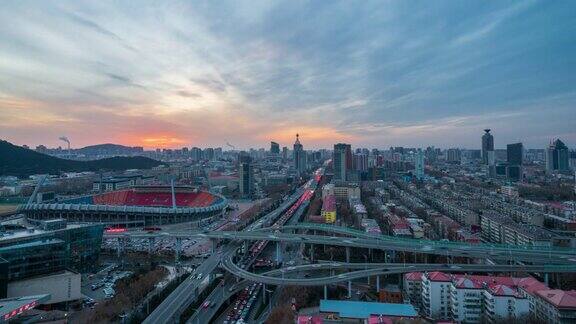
(170, 309)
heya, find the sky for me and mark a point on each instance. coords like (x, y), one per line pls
(370, 73)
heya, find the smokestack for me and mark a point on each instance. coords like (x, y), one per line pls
(65, 139)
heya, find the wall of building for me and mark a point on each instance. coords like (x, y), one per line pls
(62, 287)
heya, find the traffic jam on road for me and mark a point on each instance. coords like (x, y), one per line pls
(247, 297)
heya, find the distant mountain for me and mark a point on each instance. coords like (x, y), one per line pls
(109, 149)
(22, 162)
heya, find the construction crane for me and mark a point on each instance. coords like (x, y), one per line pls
(230, 145)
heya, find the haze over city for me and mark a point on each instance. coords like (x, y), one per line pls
(184, 73)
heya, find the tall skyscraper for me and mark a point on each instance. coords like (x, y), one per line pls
(419, 165)
(340, 160)
(487, 145)
(284, 153)
(245, 175)
(491, 163)
(515, 154)
(274, 148)
(515, 157)
(299, 156)
(557, 157)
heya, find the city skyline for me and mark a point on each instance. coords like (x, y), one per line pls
(397, 74)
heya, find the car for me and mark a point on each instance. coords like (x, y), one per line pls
(199, 276)
(206, 304)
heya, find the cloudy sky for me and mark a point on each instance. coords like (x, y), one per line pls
(372, 73)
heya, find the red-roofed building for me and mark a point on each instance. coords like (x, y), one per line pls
(412, 288)
(555, 306)
(503, 302)
(472, 298)
(466, 299)
(436, 295)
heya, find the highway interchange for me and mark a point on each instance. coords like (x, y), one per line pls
(169, 310)
(540, 259)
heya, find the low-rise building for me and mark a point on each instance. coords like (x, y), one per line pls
(345, 191)
(555, 306)
(479, 299)
(328, 211)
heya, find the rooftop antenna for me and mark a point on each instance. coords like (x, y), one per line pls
(65, 139)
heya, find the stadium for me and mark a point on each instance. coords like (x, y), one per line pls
(137, 206)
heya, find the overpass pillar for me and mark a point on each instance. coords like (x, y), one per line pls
(150, 245)
(377, 283)
(325, 292)
(264, 294)
(120, 247)
(349, 289)
(546, 279)
(178, 248)
(278, 253)
(212, 246)
(312, 252)
(347, 254)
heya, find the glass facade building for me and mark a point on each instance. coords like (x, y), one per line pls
(45, 249)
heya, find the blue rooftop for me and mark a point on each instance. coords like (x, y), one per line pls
(356, 309)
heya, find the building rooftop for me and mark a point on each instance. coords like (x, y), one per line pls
(503, 290)
(28, 230)
(439, 276)
(363, 310)
(11, 307)
(467, 283)
(413, 276)
(559, 298)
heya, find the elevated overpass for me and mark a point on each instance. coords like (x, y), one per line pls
(363, 270)
(531, 254)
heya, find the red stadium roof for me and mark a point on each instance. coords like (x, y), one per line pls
(154, 199)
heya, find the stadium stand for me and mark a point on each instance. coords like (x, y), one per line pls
(154, 199)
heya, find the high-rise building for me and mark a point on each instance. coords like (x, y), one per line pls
(487, 145)
(454, 155)
(339, 160)
(419, 165)
(246, 175)
(491, 163)
(557, 157)
(274, 148)
(361, 162)
(196, 153)
(515, 154)
(299, 156)
(209, 153)
(285, 153)
(218, 153)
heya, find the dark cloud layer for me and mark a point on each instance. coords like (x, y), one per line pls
(374, 72)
